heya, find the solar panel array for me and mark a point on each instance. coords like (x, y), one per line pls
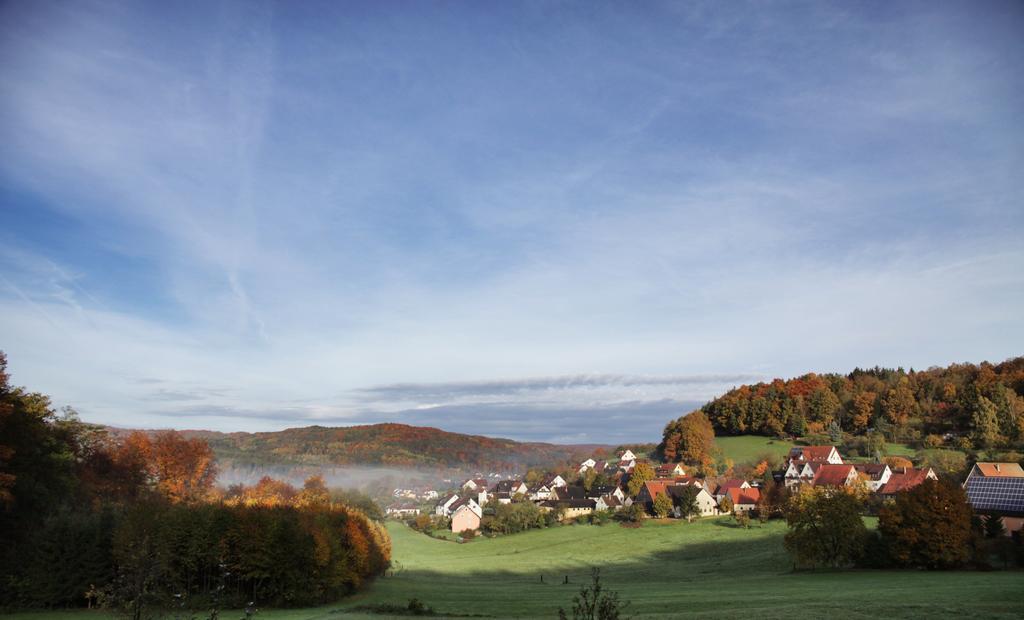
(996, 493)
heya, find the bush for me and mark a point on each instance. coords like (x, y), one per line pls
(945, 462)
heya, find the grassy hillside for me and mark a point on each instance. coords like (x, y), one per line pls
(389, 445)
(708, 569)
(749, 448)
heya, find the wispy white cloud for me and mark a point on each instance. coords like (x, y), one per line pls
(359, 220)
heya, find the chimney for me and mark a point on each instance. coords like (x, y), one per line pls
(997, 466)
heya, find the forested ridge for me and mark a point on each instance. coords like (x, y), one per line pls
(389, 445)
(967, 406)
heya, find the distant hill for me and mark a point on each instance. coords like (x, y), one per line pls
(388, 445)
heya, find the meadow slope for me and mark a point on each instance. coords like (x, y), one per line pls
(708, 569)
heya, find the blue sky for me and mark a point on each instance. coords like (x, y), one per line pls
(542, 220)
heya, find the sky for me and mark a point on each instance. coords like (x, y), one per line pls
(548, 221)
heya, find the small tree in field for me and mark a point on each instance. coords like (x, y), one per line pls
(825, 527)
(742, 519)
(662, 506)
(594, 603)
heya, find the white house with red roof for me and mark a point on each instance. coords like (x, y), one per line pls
(744, 499)
(873, 475)
(627, 461)
(726, 485)
(904, 479)
(670, 470)
(803, 461)
(475, 484)
(829, 475)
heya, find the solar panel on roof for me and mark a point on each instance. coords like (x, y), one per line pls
(996, 493)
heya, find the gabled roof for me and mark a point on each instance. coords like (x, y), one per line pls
(811, 453)
(447, 498)
(1005, 470)
(832, 475)
(654, 487)
(573, 491)
(874, 471)
(550, 479)
(507, 486)
(688, 480)
(904, 479)
(732, 483)
(740, 496)
(468, 502)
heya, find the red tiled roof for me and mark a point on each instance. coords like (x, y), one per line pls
(1006, 470)
(811, 453)
(743, 496)
(657, 486)
(904, 479)
(734, 483)
(832, 475)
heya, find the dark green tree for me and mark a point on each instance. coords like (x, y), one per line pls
(825, 527)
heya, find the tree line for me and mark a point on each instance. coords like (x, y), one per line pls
(963, 406)
(136, 522)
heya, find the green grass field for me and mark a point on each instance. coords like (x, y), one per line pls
(747, 448)
(708, 569)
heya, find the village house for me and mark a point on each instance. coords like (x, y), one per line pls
(815, 454)
(724, 488)
(553, 481)
(539, 493)
(803, 462)
(998, 489)
(586, 466)
(475, 484)
(743, 499)
(829, 475)
(873, 475)
(402, 510)
(706, 503)
(904, 479)
(443, 508)
(669, 470)
(466, 516)
(506, 490)
(627, 461)
(570, 508)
